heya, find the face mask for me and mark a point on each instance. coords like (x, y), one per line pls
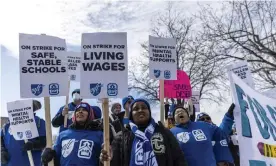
(76, 96)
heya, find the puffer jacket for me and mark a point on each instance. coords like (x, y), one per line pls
(172, 155)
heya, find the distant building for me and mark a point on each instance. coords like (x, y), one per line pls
(4, 120)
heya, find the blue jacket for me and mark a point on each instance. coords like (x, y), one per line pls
(17, 156)
(71, 107)
(79, 147)
(221, 149)
(195, 140)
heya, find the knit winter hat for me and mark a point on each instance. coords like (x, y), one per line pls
(125, 100)
(76, 91)
(97, 112)
(135, 101)
(201, 114)
(114, 106)
(88, 108)
(36, 105)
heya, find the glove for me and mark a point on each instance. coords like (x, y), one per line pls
(28, 146)
(4, 157)
(47, 155)
(231, 110)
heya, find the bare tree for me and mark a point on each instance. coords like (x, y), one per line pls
(194, 56)
(244, 30)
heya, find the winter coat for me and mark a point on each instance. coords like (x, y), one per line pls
(164, 144)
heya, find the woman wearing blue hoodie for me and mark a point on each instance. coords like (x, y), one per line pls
(80, 144)
(195, 138)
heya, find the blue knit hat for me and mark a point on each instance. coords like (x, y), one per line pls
(200, 115)
(125, 100)
(87, 107)
(138, 100)
(97, 112)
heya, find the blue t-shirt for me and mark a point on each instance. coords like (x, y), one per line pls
(14, 147)
(79, 147)
(195, 140)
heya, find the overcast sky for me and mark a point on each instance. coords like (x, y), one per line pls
(69, 19)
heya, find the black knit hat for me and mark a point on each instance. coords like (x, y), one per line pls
(36, 105)
(76, 91)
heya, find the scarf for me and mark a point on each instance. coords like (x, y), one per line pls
(142, 153)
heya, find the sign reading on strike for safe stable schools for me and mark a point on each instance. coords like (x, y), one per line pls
(162, 58)
(104, 65)
(22, 121)
(255, 118)
(43, 67)
(74, 65)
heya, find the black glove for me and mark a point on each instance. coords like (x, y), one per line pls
(28, 146)
(231, 110)
(47, 155)
(4, 157)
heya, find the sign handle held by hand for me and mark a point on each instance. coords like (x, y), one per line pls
(162, 107)
(66, 106)
(30, 156)
(106, 127)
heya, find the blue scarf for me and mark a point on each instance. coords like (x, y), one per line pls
(142, 153)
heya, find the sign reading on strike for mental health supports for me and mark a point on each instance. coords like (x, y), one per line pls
(162, 58)
(180, 88)
(22, 121)
(43, 66)
(255, 118)
(74, 65)
(104, 65)
(242, 70)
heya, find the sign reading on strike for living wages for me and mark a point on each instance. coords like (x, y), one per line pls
(162, 58)
(255, 117)
(242, 70)
(104, 65)
(74, 65)
(22, 121)
(180, 88)
(43, 67)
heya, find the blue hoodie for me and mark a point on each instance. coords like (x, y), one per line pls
(221, 149)
(17, 156)
(79, 147)
(195, 139)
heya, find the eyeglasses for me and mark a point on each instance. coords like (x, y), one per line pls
(204, 118)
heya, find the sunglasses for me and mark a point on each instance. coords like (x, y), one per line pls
(204, 118)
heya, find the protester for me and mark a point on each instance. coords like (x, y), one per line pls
(58, 120)
(14, 152)
(145, 143)
(82, 140)
(170, 110)
(222, 152)
(195, 138)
